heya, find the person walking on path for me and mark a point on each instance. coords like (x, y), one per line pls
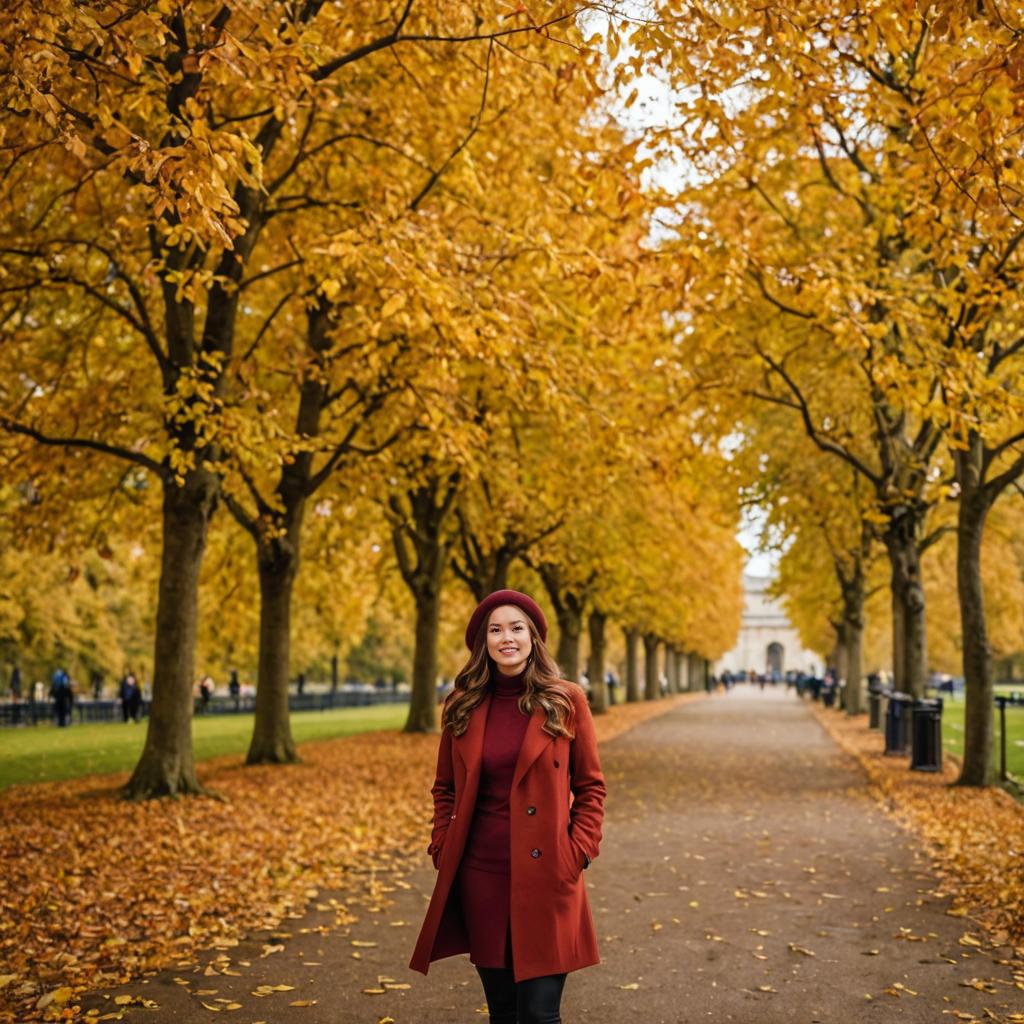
(131, 697)
(205, 693)
(61, 695)
(16, 683)
(516, 741)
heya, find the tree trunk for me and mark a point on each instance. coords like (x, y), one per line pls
(570, 625)
(595, 663)
(167, 764)
(853, 640)
(276, 529)
(485, 573)
(272, 741)
(421, 539)
(568, 607)
(652, 689)
(979, 736)
(632, 674)
(693, 672)
(910, 654)
(898, 630)
(684, 671)
(423, 701)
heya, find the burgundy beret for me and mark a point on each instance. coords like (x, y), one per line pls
(496, 600)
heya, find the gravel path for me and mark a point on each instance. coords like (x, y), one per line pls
(744, 876)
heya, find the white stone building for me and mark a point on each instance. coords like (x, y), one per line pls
(767, 642)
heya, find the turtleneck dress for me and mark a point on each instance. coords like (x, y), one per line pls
(484, 876)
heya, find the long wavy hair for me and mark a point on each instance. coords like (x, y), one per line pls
(543, 686)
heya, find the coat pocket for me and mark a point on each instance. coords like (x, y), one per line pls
(571, 860)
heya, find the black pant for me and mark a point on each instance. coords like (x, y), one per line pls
(534, 1001)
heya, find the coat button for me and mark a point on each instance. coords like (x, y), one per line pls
(535, 853)
(531, 810)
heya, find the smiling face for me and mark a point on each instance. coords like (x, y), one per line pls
(508, 639)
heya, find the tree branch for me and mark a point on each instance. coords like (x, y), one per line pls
(103, 447)
(824, 443)
(474, 126)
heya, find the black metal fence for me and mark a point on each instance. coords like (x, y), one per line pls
(31, 712)
(1014, 700)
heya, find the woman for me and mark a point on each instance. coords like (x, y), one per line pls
(510, 851)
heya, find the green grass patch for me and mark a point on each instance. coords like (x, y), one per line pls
(44, 753)
(953, 730)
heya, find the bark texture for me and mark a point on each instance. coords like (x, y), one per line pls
(979, 732)
(652, 687)
(595, 662)
(632, 670)
(167, 764)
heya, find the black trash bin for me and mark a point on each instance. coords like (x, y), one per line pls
(897, 723)
(876, 691)
(926, 745)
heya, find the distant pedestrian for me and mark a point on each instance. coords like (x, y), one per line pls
(205, 693)
(301, 683)
(62, 697)
(235, 687)
(128, 691)
(16, 683)
(135, 705)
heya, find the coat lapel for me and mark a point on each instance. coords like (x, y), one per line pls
(470, 745)
(535, 740)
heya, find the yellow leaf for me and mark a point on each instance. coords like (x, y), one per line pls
(392, 306)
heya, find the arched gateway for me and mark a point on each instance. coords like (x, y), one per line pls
(766, 642)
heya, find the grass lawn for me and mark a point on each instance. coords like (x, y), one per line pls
(45, 753)
(953, 730)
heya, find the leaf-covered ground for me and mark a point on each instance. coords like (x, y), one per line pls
(975, 836)
(95, 890)
(745, 874)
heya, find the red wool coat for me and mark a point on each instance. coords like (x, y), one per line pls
(557, 808)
